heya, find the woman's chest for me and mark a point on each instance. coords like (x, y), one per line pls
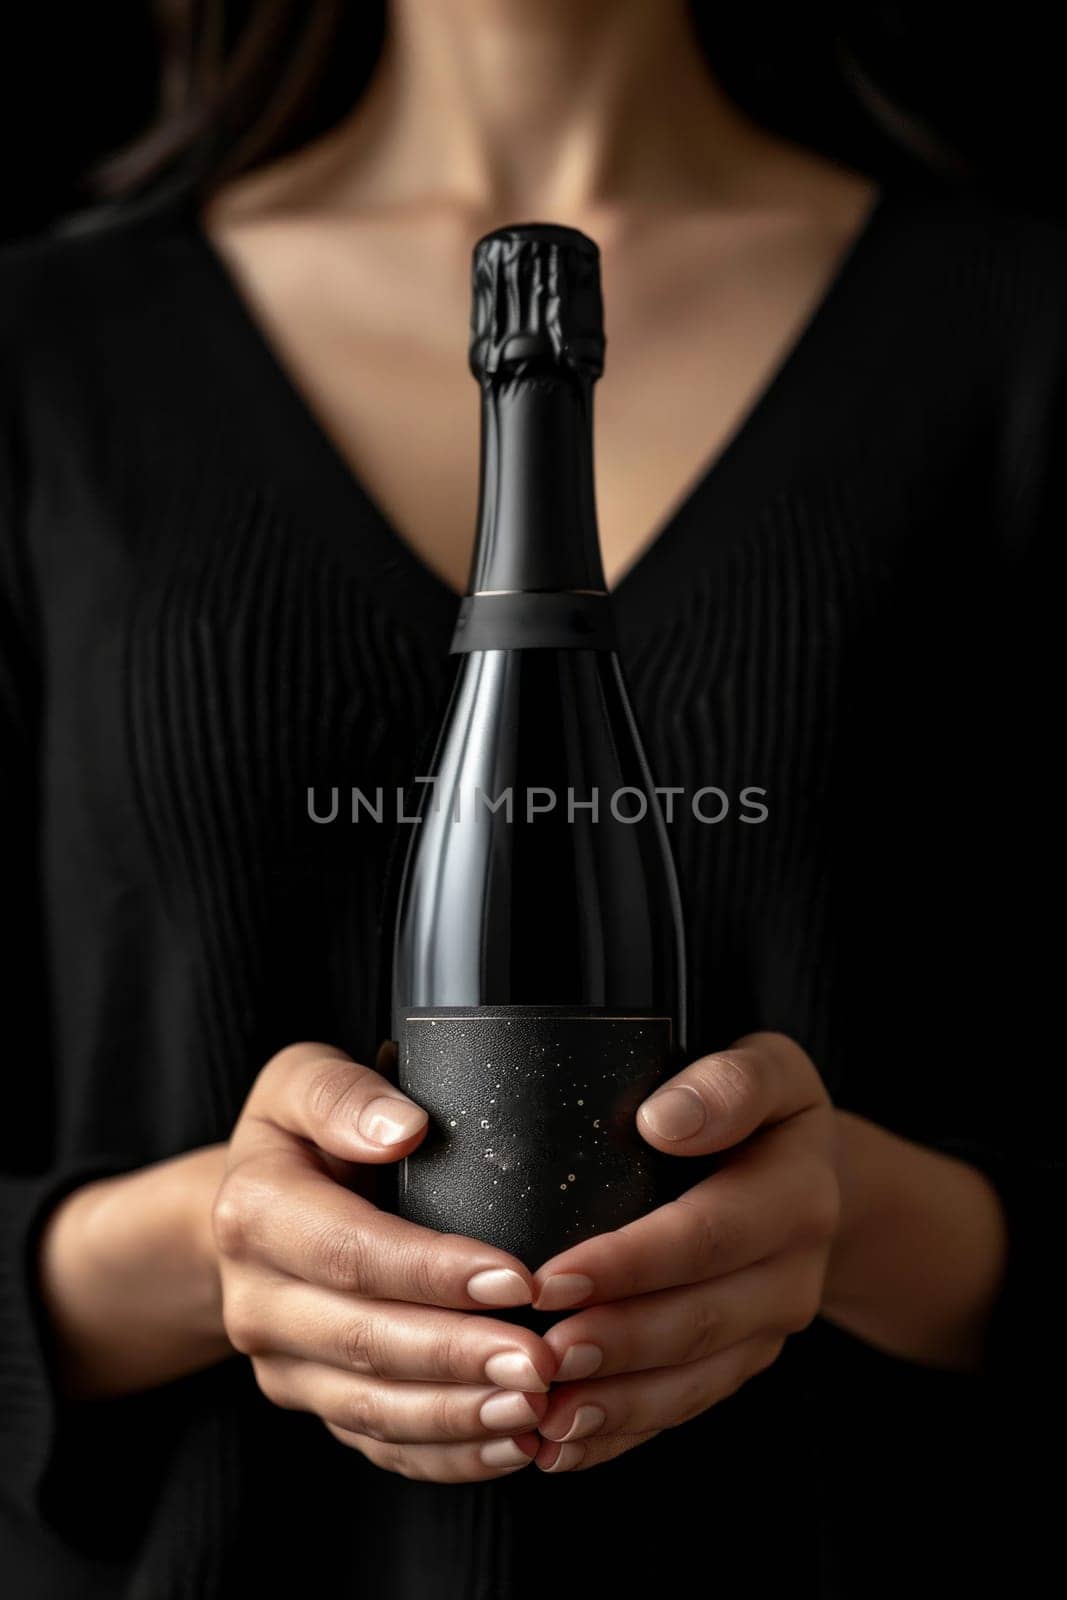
(245, 690)
(704, 312)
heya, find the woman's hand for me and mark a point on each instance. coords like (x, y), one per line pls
(689, 1302)
(366, 1320)
(353, 1314)
(345, 1311)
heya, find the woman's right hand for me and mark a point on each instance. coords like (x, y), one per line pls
(354, 1314)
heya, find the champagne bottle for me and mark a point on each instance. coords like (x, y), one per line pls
(538, 964)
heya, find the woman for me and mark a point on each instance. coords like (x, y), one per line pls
(240, 468)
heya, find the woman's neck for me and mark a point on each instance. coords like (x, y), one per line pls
(553, 107)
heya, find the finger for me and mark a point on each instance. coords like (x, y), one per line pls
(720, 1100)
(381, 1338)
(595, 1421)
(552, 1457)
(282, 1210)
(779, 1191)
(314, 1092)
(397, 1413)
(676, 1326)
(445, 1463)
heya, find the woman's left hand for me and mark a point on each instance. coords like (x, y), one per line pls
(689, 1302)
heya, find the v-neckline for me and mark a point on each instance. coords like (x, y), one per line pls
(276, 379)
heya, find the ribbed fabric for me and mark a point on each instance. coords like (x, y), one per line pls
(205, 616)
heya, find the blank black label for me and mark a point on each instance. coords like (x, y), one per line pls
(533, 1145)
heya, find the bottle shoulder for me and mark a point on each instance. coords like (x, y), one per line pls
(540, 869)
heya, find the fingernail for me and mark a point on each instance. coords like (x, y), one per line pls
(580, 1361)
(389, 1119)
(499, 1286)
(507, 1411)
(564, 1289)
(512, 1370)
(570, 1456)
(675, 1113)
(587, 1420)
(504, 1453)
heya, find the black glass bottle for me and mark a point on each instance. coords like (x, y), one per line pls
(538, 965)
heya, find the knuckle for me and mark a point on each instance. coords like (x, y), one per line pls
(724, 1082)
(444, 1418)
(343, 1255)
(413, 1464)
(424, 1274)
(704, 1329)
(228, 1222)
(361, 1346)
(426, 1270)
(365, 1414)
(401, 1462)
(709, 1236)
(450, 1357)
(242, 1201)
(381, 1453)
(622, 1256)
(426, 1466)
(330, 1084)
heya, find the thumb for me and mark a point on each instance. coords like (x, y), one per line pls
(315, 1093)
(719, 1100)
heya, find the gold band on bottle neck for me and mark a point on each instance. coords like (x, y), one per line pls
(478, 592)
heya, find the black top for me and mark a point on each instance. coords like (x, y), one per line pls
(204, 614)
(536, 303)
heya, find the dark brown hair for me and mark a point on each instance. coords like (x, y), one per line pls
(244, 81)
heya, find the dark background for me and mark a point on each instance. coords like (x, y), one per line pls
(979, 90)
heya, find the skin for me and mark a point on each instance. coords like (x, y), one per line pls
(717, 240)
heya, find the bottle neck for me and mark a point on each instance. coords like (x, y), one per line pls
(537, 529)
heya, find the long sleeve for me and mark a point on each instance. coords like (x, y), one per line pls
(122, 1495)
(45, 1442)
(28, 1408)
(1008, 1067)
(32, 1180)
(1029, 1105)
(133, 1487)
